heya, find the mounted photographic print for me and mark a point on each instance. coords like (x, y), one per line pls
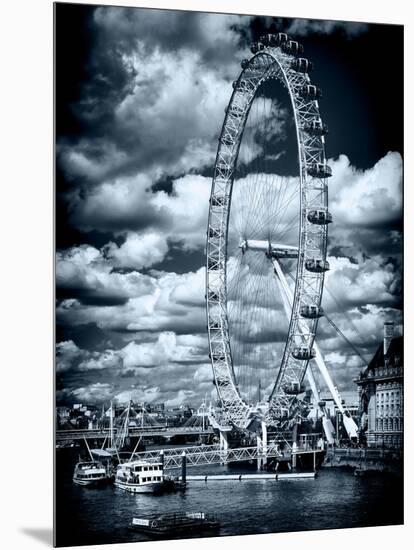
(229, 309)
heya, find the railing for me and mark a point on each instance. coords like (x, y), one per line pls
(370, 454)
(386, 372)
(67, 435)
(171, 454)
(208, 454)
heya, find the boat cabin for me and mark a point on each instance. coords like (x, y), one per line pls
(140, 472)
(89, 471)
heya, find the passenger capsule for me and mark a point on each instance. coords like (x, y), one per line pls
(244, 64)
(315, 265)
(303, 353)
(234, 84)
(256, 47)
(272, 40)
(316, 127)
(292, 47)
(281, 38)
(302, 65)
(265, 39)
(310, 91)
(319, 217)
(294, 388)
(319, 170)
(311, 312)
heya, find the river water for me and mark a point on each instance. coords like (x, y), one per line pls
(335, 499)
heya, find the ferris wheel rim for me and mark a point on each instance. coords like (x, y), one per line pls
(268, 63)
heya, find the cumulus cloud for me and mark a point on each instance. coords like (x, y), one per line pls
(304, 27)
(360, 282)
(370, 198)
(145, 395)
(161, 369)
(174, 83)
(167, 349)
(83, 272)
(96, 392)
(138, 250)
(109, 359)
(67, 355)
(128, 204)
(157, 301)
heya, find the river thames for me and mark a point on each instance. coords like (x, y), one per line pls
(335, 499)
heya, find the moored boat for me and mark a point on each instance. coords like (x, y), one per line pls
(140, 476)
(90, 474)
(176, 523)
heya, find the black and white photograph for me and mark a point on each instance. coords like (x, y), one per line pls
(229, 319)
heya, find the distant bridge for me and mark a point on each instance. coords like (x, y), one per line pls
(74, 435)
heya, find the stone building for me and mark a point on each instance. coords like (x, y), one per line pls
(381, 394)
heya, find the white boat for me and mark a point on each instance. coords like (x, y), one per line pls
(90, 474)
(139, 476)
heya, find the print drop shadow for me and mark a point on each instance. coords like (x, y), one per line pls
(42, 534)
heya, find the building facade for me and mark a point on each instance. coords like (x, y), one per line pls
(381, 394)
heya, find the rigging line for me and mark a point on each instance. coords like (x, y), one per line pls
(275, 214)
(283, 207)
(258, 177)
(250, 290)
(236, 309)
(348, 318)
(249, 162)
(339, 331)
(290, 224)
(256, 187)
(272, 301)
(261, 319)
(261, 177)
(265, 177)
(233, 307)
(259, 310)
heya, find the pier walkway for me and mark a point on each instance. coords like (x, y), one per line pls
(203, 455)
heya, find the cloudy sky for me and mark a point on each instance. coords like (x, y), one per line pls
(140, 98)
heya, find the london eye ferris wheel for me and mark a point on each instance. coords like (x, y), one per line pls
(266, 239)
